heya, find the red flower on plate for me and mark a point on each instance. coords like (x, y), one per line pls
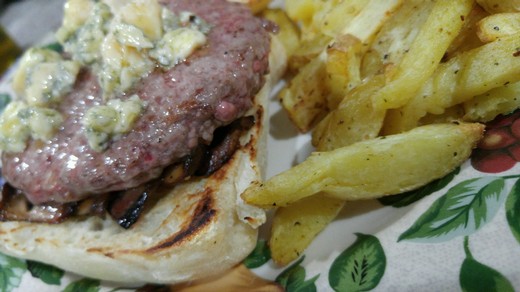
(499, 150)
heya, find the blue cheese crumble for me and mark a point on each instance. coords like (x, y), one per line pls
(104, 122)
(121, 41)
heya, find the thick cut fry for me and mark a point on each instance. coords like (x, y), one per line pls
(374, 168)
(497, 6)
(343, 68)
(307, 50)
(338, 17)
(288, 32)
(370, 19)
(486, 107)
(442, 26)
(496, 26)
(295, 226)
(305, 97)
(354, 120)
(469, 74)
(395, 37)
(302, 10)
(467, 38)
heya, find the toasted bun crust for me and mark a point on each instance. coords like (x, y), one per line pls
(199, 229)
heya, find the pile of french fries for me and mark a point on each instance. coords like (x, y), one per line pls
(394, 92)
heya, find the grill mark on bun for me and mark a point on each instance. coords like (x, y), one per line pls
(201, 217)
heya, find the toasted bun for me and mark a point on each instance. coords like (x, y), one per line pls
(200, 228)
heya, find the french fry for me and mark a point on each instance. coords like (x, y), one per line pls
(303, 11)
(467, 39)
(354, 120)
(343, 67)
(372, 168)
(497, 6)
(370, 19)
(395, 37)
(307, 105)
(469, 74)
(443, 24)
(305, 96)
(295, 226)
(288, 32)
(307, 50)
(497, 26)
(487, 106)
(338, 17)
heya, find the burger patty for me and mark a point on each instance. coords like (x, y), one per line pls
(183, 107)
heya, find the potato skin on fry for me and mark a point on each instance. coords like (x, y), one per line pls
(373, 168)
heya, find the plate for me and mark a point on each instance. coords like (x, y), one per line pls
(461, 232)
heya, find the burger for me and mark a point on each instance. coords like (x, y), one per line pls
(125, 152)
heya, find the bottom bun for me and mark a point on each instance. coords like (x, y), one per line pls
(199, 229)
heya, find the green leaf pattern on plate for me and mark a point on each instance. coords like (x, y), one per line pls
(293, 278)
(47, 273)
(513, 210)
(259, 256)
(360, 267)
(476, 277)
(83, 285)
(11, 272)
(464, 209)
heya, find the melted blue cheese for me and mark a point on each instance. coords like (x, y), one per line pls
(104, 122)
(121, 41)
(82, 39)
(43, 77)
(177, 45)
(47, 82)
(19, 122)
(124, 41)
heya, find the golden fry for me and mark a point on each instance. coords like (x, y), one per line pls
(288, 32)
(395, 37)
(469, 74)
(307, 50)
(370, 19)
(305, 96)
(303, 11)
(334, 20)
(497, 26)
(485, 107)
(373, 168)
(467, 39)
(498, 6)
(425, 53)
(354, 120)
(343, 68)
(295, 226)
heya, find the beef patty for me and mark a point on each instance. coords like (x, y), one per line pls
(184, 106)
